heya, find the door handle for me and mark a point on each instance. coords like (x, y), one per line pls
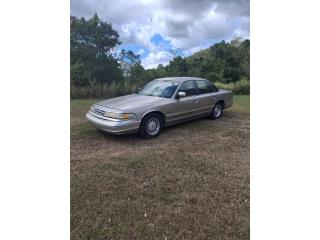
(196, 101)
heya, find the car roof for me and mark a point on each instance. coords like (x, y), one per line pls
(180, 79)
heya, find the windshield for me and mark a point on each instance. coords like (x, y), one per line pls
(160, 88)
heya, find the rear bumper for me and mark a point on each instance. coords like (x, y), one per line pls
(113, 127)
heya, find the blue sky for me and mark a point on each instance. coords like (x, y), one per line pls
(153, 29)
(156, 39)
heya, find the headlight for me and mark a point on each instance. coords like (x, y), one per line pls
(122, 116)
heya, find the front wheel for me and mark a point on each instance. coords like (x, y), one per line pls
(151, 125)
(217, 111)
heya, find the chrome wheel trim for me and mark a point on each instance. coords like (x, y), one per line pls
(217, 110)
(153, 126)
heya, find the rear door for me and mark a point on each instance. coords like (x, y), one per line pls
(185, 107)
(207, 96)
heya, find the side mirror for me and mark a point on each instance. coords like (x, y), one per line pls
(181, 94)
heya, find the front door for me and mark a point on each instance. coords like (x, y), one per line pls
(185, 107)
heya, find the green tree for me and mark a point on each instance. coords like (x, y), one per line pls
(178, 67)
(91, 44)
(128, 61)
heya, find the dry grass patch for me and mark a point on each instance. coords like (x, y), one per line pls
(192, 182)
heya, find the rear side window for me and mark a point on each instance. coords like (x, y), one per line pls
(215, 89)
(205, 87)
(189, 88)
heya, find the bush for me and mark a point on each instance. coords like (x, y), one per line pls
(239, 87)
(102, 90)
(123, 88)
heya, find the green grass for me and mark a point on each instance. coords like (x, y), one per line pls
(82, 102)
(241, 103)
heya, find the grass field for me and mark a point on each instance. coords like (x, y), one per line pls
(192, 182)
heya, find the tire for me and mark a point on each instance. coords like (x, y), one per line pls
(217, 111)
(151, 125)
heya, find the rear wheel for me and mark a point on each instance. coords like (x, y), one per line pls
(151, 125)
(217, 111)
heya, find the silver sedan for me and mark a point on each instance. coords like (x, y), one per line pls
(161, 102)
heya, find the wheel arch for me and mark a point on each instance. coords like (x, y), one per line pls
(154, 111)
(222, 102)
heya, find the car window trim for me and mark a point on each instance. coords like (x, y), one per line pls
(198, 86)
(194, 84)
(214, 88)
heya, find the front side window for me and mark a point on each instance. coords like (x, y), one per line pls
(205, 87)
(189, 88)
(160, 88)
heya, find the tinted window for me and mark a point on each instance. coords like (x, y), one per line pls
(215, 89)
(189, 88)
(204, 87)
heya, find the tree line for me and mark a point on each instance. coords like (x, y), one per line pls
(96, 70)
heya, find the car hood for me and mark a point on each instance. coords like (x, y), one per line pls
(131, 102)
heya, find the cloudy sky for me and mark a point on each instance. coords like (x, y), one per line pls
(153, 28)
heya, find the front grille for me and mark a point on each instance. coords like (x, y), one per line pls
(98, 111)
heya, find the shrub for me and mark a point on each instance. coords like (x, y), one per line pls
(102, 90)
(238, 87)
(123, 88)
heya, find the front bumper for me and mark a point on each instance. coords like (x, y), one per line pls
(113, 126)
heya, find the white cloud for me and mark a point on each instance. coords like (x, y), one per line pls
(154, 59)
(141, 51)
(187, 24)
